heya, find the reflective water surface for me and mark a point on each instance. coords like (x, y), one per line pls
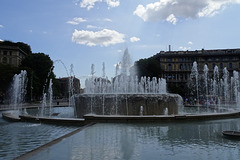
(179, 140)
(60, 112)
(18, 138)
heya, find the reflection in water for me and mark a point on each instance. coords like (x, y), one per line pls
(61, 112)
(179, 140)
(19, 138)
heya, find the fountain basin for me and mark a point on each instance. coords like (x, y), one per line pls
(127, 104)
(91, 118)
(11, 116)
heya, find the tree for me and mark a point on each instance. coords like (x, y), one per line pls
(40, 70)
(7, 72)
(148, 67)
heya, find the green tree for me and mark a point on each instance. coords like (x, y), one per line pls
(149, 67)
(177, 88)
(40, 70)
(7, 72)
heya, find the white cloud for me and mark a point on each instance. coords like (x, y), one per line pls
(190, 42)
(1, 26)
(184, 48)
(172, 19)
(134, 39)
(1, 40)
(104, 37)
(76, 21)
(171, 10)
(119, 51)
(107, 20)
(91, 27)
(113, 3)
(91, 3)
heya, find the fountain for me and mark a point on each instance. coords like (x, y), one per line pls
(44, 104)
(18, 91)
(144, 97)
(46, 96)
(46, 108)
(125, 93)
(220, 93)
(194, 76)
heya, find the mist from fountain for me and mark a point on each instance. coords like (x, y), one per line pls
(124, 83)
(220, 92)
(18, 90)
(71, 87)
(43, 105)
(47, 100)
(194, 76)
(205, 71)
(118, 95)
(235, 85)
(50, 96)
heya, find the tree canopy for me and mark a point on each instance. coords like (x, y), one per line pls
(39, 67)
(149, 67)
(7, 72)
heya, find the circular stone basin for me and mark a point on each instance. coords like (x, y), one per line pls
(127, 104)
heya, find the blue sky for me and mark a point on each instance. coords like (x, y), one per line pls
(85, 32)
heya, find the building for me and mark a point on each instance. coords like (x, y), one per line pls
(176, 65)
(12, 55)
(64, 86)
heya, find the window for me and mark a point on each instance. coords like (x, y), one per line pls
(169, 59)
(213, 65)
(185, 67)
(181, 66)
(5, 53)
(169, 67)
(181, 76)
(230, 65)
(221, 66)
(169, 76)
(4, 60)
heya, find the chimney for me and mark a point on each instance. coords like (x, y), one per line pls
(169, 48)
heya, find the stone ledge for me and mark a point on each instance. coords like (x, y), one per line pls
(157, 118)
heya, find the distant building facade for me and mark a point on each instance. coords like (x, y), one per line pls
(176, 65)
(64, 86)
(11, 55)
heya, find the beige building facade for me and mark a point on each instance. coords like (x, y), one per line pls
(11, 55)
(177, 65)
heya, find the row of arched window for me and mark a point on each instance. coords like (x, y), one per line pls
(183, 67)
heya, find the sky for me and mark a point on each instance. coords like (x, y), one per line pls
(80, 33)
